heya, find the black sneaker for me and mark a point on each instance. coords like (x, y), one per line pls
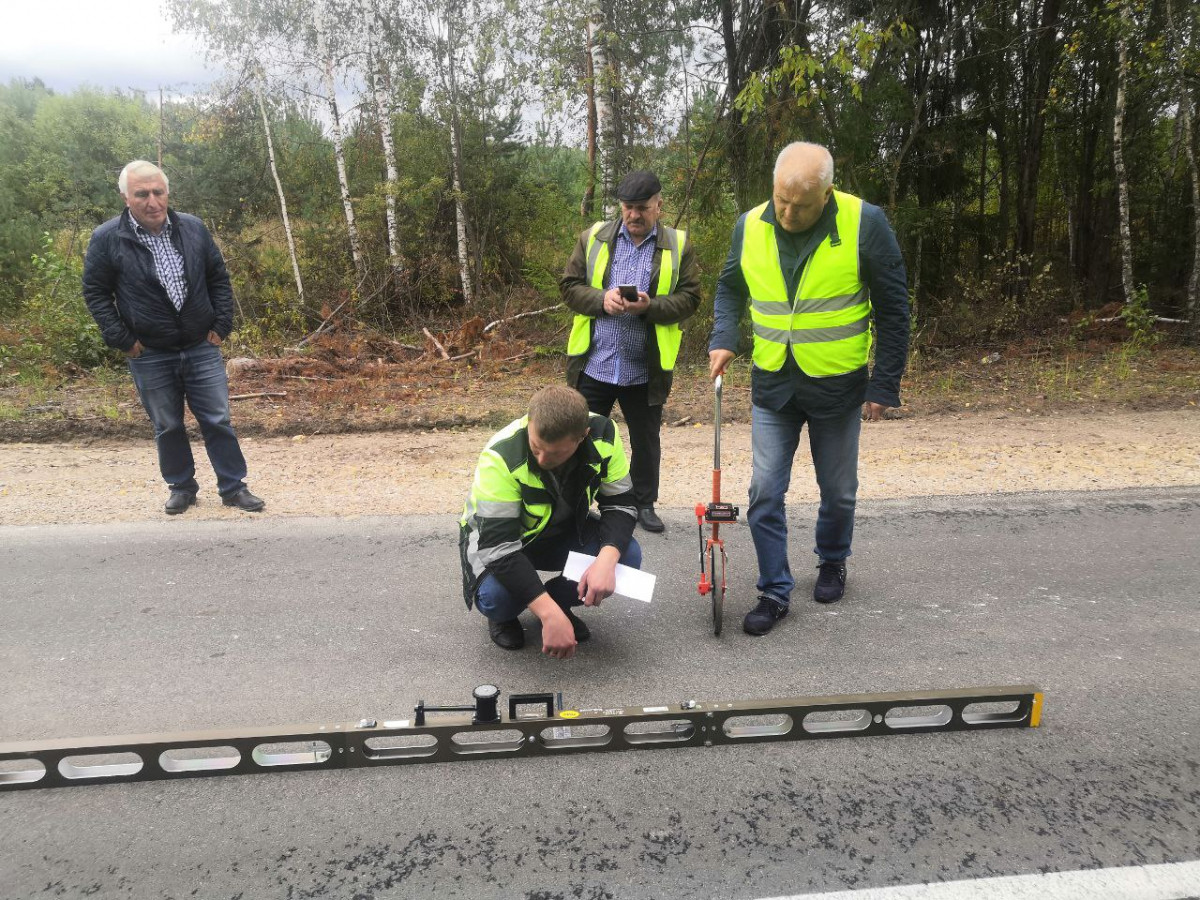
(509, 635)
(831, 581)
(763, 617)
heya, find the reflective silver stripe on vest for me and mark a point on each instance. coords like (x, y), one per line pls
(771, 307)
(837, 333)
(498, 509)
(612, 488)
(481, 558)
(831, 304)
(812, 335)
(593, 255)
(815, 304)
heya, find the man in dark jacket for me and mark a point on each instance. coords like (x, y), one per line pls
(631, 282)
(157, 286)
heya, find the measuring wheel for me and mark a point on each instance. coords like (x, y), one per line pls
(716, 513)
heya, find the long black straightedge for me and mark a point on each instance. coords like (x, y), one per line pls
(530, 726)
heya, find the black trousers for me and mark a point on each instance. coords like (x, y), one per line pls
(644, 423)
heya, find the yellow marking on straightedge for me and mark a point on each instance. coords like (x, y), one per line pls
(1035, 715)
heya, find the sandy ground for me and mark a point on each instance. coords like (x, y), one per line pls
(414, 472)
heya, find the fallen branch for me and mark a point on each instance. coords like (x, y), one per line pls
(323, 325)
(680, 422)
(440, 348)
(308, 377)
(262, 394)
(463, 355)
(535, 312)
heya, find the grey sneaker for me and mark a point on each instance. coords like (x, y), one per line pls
(763, 617)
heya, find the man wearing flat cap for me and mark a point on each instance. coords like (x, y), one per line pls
(631, 282)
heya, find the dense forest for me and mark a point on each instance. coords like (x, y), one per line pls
(433, 160)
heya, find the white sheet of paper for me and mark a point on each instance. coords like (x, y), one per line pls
(632, 583)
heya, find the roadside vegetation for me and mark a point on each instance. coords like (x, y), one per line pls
(386, 185)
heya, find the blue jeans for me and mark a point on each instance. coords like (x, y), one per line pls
(549, 555)
(833, 442)
(164, 379)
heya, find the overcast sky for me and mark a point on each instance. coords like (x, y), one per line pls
(124, 44)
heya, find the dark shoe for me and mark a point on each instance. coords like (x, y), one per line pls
(244, 500)
(763, 617)
(831, 582)
(179, 501)
(582, 632)
(509, 635)
(649, 519)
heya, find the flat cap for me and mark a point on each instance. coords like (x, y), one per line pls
(638, 186)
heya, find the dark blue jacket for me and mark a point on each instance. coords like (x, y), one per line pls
(129, 304)
(881, 269)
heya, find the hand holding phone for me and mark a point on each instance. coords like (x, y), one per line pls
(629, 292)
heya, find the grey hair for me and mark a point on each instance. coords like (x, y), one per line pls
(140, 167)
(822, 178)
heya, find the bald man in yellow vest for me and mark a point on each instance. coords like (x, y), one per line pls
(821, 274)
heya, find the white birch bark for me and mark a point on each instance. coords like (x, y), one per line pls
(259, 90)
(1119, 155)
(466, 271)
(604, 80)
(383, 108)
(325, 58)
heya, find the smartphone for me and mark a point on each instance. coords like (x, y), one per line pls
(629, 292)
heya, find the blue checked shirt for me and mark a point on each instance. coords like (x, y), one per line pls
(168, 264)
(618, 353)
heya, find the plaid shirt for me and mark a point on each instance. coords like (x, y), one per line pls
(168, 264)
(618, 354)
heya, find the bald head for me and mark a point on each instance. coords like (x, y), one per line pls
(803, 185)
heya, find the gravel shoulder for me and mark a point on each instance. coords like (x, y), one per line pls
(429, 472)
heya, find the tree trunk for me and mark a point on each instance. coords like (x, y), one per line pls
(606, 81)
(1119, 155)
(466, 272)
(283, 212)
(326, 59)
(1047, 48)
(588, 206)
(383, 108)
(1179, 43)
(736, 151)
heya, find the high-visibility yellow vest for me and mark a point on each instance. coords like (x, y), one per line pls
(828, 321)
(509, 504)
(669, 337)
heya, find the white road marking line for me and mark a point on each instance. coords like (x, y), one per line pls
(1169, 881)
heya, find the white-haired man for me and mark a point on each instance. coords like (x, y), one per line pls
(157, 286)
(816, 267)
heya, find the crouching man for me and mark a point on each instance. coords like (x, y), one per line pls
(531, 504)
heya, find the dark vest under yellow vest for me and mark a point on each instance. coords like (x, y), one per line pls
(669, 337)
(828, 321)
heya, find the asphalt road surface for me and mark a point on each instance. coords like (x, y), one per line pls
(179, 625)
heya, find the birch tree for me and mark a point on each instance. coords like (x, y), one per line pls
(605, 151)
(1124, 27)
(259, 90)
(326, 62)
